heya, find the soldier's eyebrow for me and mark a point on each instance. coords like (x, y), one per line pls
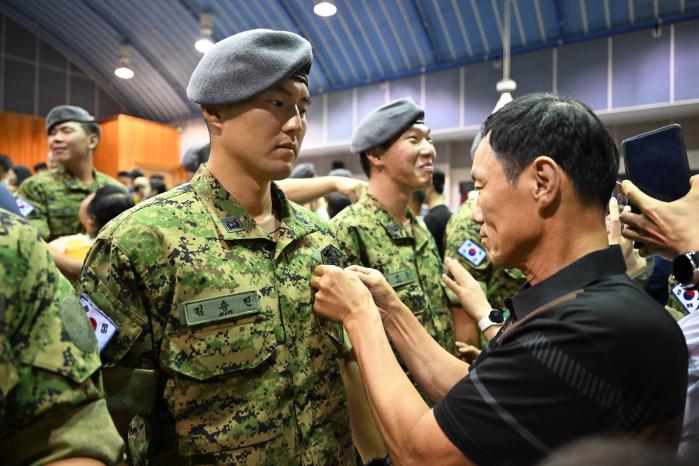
(280, 87)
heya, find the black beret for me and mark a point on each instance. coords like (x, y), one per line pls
(245, 64)
(385, 123)
(64, 113)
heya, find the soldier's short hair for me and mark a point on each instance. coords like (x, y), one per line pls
(565, 130)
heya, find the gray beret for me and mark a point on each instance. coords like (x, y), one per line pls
(341, 172)
(245, 64)
(303, 170)
(384, 123)
(64, 113)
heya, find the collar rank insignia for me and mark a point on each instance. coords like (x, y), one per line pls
(232, 224)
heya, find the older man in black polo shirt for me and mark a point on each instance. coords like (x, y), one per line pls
(584, 352)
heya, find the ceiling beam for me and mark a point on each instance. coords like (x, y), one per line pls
(302, 29)
(140, 47)
(558, 10)
(43, 31)
(427, 30)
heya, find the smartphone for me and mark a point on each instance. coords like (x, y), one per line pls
(657, 163)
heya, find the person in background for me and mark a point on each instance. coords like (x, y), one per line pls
(438, 215)
(40, 167)
(141, 189)
(671, 230)
(5, 167)
(54, 197)
(337, 201)
(7, 200)
(16, 177)
(194, 156)
(157, 185)
(96, 210)
(417, 202)
(125, 178)
(52, 407)
(380, 231)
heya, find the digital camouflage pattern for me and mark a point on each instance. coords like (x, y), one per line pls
(218, 348)
(498, 284)
(55, 196)
(406, 255)
(51, 401)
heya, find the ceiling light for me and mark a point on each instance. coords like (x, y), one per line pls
(206, 31)
(123, 71)
(324, 8)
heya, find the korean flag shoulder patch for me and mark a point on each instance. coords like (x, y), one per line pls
(472, 252)
(688, 297)
(102, 325)
(25, 208)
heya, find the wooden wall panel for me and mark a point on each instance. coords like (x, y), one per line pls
(23, 138)
(106, 157)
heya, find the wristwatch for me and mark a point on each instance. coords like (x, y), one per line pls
(685, 266)
(494, 317)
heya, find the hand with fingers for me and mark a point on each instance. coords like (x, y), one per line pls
(471, 296)
(340, 294)
(384, 296)
(666, 228)
(467, 353)
(635, 264)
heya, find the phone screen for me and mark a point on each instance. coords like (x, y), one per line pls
(657, 163)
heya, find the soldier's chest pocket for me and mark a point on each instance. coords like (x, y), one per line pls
(219, 336)
(407, 286)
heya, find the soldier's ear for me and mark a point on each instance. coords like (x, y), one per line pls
(213, 118)
(92, 141)
(374, 157)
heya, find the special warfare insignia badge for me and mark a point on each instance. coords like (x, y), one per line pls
(330, 255)
(232, 224)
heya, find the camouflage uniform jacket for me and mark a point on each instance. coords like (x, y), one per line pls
(51, 400)
(55, 198)
(462, 241)
(406, 255)
(218, 356)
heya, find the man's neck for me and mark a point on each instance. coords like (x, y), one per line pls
(563, 243)
(391, 195)
(83, 170)
(253, 195)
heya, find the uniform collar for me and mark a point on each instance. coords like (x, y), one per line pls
(235, 223)
(394, 230)
(72, 182)
(581, 273)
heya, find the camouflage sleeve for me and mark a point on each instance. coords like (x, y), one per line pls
(32, 192)
(348, 239)
(112, 284)
(55, 407)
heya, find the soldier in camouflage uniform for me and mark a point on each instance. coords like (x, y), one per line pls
(51, 400)
(462, 243)
(218, 357)
(51, 200)
(397, 153)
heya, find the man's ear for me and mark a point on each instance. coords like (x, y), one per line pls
(92, 141)
(547, 176)
(374, 157)
(213, 118)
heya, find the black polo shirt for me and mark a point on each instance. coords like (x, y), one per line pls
(586, 352)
